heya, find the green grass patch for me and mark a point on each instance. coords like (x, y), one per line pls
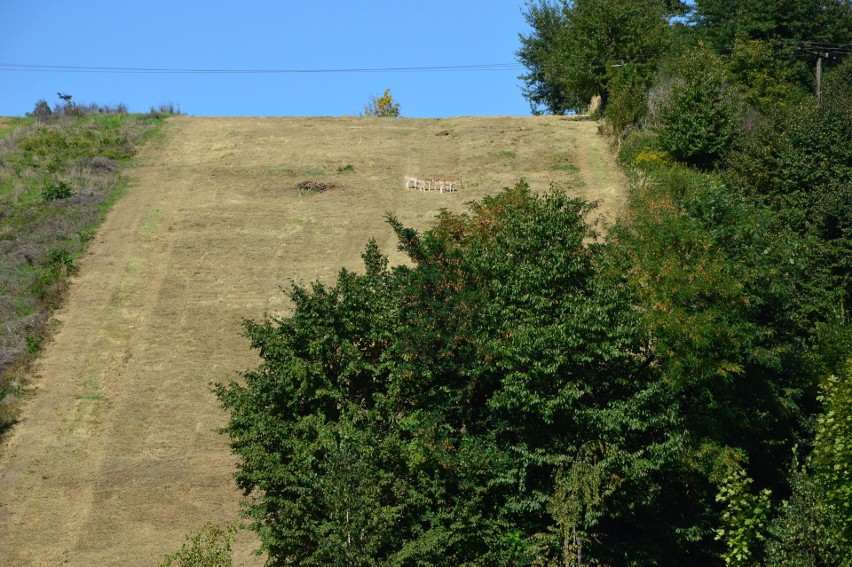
(281, 171)
(91, 392)
(570, 168)
(152, 223)
(312, 170)
(509, 154)
(9, 124)
(304, 193)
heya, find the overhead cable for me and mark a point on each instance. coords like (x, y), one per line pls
(182, 71)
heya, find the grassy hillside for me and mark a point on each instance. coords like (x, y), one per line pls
(58, 177)
(117, 457)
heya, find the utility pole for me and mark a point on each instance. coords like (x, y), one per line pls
(819, 78)
(821, 53)
(828, 51)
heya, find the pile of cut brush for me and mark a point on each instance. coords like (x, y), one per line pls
(314, 186)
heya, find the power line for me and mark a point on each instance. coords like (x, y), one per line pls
(179, 71)
(820, 43)
(831, 49)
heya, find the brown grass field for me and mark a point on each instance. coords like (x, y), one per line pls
(117, 456)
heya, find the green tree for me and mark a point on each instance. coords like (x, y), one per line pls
(575, 46)
(798, 161)
(316, 461)
(767, 81)
(723, 22)
(719, 284)
(523, 343)
(768, 33)
(434, 413)
(814, 526)
(693, 109)
(542, 53)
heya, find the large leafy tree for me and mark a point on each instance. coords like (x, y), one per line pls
(799, 162)
(724, 22)
(543, 53)
(492, 404)
(775, 36)
(511, 397)
(693, 109)
(576, 46)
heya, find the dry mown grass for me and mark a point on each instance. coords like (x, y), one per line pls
(118, 458)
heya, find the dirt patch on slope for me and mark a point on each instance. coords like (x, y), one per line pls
(117, 456)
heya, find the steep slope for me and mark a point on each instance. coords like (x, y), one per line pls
(117, 455)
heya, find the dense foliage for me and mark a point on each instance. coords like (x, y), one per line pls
(612, 48)
(693, 109)
(528, 393)
(785, 159)
(523, 394)
(577, 48)
(424, 414)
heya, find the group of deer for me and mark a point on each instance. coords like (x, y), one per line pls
(448, 185)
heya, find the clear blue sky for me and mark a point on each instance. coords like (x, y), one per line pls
(265, 35)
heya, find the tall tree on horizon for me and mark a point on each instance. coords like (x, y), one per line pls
(576, 46)
(724, 22)
(782, 31)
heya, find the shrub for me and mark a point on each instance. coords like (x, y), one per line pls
(649, 159)
(636, 142)
(693, 109)
(164, 110)
(208, 547)
(51, 275)
(60, 261)
(34, 343)
(42, 112)
(833, 452)
(56, 189)
(628, 100)
(382, 107)
(815, 524)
